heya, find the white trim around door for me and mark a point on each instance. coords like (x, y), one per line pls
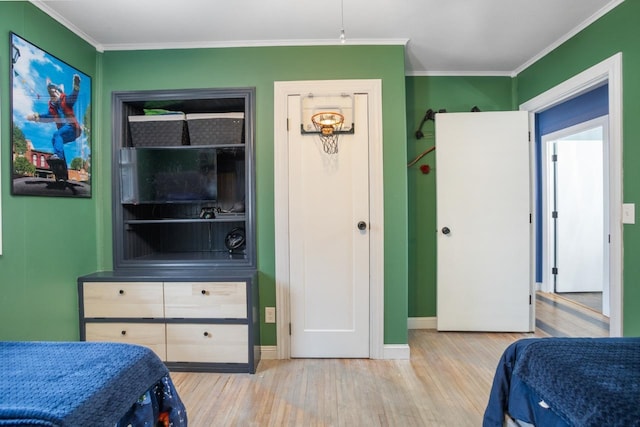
(608, 71)
(282, 90)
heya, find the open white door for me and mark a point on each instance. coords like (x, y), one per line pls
(484, 222)
(577, 207)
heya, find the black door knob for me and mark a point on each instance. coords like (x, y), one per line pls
(445, 230)
(362, 225)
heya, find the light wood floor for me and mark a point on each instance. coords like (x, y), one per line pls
(592, 300)
(446, 382)
(561, 317)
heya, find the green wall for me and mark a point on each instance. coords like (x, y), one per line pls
(454, 94)
(47, 241)
(618, 31)
(259, 68)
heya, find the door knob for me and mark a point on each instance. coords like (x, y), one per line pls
(445, 230)
(362, 225)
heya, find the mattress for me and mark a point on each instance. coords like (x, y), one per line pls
(561, 382)
(85, 384)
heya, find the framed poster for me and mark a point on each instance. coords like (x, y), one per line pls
(51, 124)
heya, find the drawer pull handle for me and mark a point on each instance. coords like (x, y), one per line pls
(121, 291)
(124, 333)
(206, 334)
(204, 292)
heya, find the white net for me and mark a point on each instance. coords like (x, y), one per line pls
(328, 125)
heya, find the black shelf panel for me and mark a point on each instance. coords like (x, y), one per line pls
(226, 147)
(229, 368)
(217, 255)
(165, 221)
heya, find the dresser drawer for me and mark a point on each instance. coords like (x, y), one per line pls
(123, 299)
(151, 335)
(206, 300)
(207, 343)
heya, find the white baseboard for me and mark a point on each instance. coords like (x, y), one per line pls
(269, 352)
(422, 323)
(397, 352)
(391, 352)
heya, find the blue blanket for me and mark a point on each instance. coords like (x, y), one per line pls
(568, 382)
(74, 383)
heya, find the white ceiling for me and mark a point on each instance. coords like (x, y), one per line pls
(442, 37)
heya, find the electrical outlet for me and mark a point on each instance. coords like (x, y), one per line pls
(628, 213)
(270, 315)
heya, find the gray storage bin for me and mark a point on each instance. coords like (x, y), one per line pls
(216, 128)
(158, 130)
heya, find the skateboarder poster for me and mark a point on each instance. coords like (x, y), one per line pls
(51, 124)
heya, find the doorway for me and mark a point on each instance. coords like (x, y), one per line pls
(575, 213)
(607, 72)
(289, 174)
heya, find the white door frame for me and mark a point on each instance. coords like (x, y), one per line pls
(609, 70)
(282, 90)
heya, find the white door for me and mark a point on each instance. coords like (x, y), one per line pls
(580, 222)
(329, 254)
(483, 220)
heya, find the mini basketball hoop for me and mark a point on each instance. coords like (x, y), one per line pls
(328, 124)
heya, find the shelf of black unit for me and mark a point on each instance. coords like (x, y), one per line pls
(237, 147)
(217, 146)
(184, 220)
(229, 257)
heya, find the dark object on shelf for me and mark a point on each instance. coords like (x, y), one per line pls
(235, 239)
(475, 109)
(208, 213)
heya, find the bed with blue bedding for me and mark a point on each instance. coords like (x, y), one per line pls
(85, 384)
(559, 382)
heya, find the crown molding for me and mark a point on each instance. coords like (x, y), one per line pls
(584, 24)
(254, 43)
(62, 20)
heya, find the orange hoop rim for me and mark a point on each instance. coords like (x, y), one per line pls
(327, 122)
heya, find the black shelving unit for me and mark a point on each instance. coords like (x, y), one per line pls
(183, 231)
(169, 216)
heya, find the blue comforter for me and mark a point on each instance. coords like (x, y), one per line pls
(83, 384)
(568, 382)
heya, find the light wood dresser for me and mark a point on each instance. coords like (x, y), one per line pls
(202, 323)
